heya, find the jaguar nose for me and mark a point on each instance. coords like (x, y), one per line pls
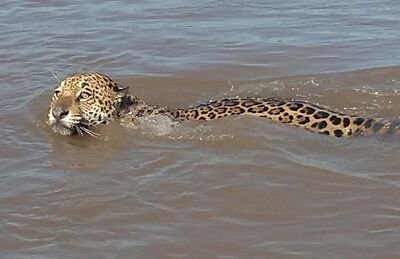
(59, 113)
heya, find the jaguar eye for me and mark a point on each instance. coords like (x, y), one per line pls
(84, 96)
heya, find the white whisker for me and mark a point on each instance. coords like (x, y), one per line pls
(58, 80)
(85, 123)
(90, 132)
(78, 120)
(79, 130)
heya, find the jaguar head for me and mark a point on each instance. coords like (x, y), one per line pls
(82, 101)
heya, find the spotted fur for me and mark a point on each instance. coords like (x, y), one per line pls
(82, 101)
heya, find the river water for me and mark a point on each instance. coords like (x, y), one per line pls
(232, 188)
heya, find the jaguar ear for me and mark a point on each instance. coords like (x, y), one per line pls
(120, 90)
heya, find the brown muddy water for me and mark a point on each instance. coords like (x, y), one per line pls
(234, 188)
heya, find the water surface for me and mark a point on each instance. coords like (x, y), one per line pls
(234, 188)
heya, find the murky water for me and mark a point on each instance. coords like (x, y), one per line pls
(234, 188)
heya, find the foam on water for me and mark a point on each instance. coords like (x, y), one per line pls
(157, 125)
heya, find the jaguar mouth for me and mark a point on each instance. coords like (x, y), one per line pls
(64, 130)
(79, 129)
(71, 127)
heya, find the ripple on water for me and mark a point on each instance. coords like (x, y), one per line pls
(239, 187)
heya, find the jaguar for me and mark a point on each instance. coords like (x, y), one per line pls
(82, 101)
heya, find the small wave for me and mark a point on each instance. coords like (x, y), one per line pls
(157, 125)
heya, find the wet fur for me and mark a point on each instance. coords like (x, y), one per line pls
(110, 101)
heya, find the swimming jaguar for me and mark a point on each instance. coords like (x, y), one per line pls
(82, 101)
